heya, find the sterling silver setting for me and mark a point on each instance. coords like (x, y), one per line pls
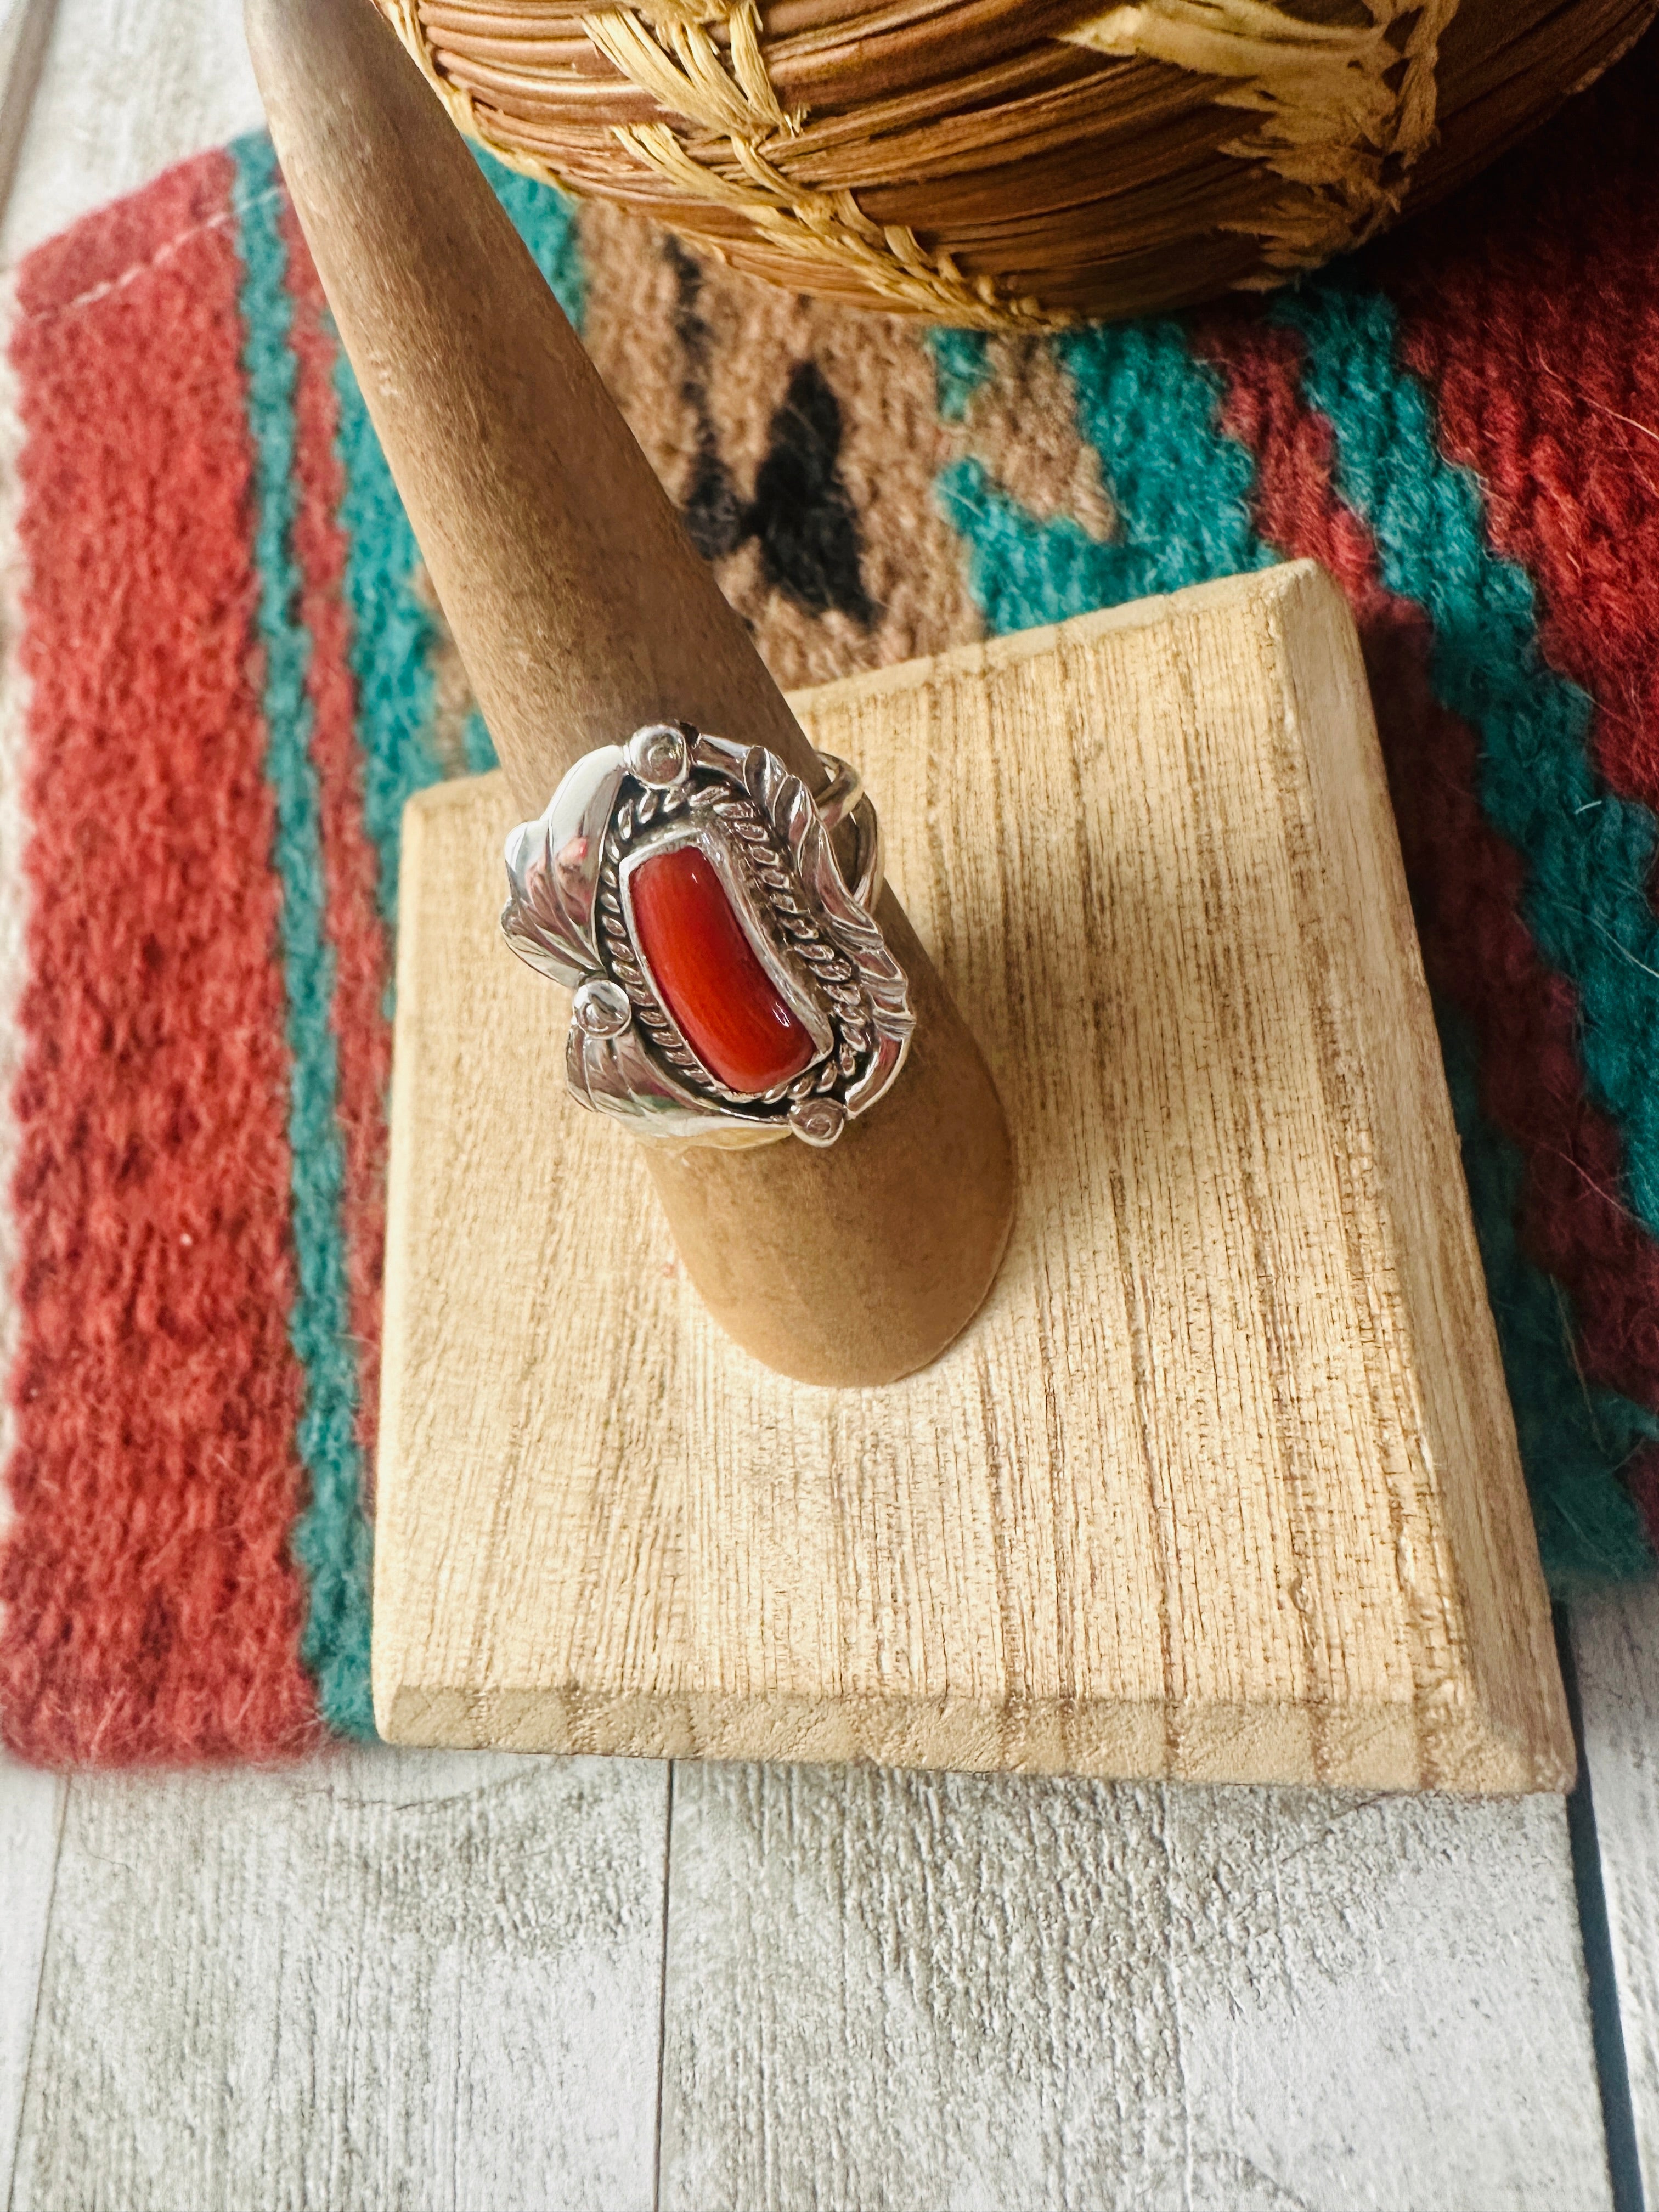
(571, 915)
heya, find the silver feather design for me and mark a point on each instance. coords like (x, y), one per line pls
(553, 867)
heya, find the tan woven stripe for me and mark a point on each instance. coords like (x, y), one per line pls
(892, 449)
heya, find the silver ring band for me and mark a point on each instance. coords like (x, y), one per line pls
(841, 796)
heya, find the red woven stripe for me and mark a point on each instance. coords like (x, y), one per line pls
(362, 1033)
(121, 243)
(1465, 881)
(152, 1609)
(1534, 311)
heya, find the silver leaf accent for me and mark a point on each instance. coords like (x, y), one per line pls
(553, 872)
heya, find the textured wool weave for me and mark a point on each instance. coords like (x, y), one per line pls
(232, 673)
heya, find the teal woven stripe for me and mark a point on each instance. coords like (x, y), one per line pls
(393, 633)
(1023, 571)
(392, 636)
(331, 1540)
(1182, 487)
(961, 362)
(1590, 852)
(1572, 1438)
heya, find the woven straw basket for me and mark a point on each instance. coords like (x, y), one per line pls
(999, 162)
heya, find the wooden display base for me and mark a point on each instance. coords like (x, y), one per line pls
(1221, 1482)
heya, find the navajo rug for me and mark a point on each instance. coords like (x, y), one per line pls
(228, 673)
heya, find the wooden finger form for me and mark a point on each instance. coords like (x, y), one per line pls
(582, 611)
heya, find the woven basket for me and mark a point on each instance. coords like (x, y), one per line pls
(998, 162)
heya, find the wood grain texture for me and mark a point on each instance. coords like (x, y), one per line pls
(1222, 1482)
(379, 1981)
(1615, 1642)
(896, 1989)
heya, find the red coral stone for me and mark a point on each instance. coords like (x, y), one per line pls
(729, 1010)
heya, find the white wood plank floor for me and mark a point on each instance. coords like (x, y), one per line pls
(893, 1990)
(384, 1980)
(1616, 1639)
(391, 1979)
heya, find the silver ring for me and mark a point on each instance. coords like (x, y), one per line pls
(730, 985)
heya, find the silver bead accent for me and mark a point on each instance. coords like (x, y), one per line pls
(817, 1121)
(599, 1009)
(659, 756)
